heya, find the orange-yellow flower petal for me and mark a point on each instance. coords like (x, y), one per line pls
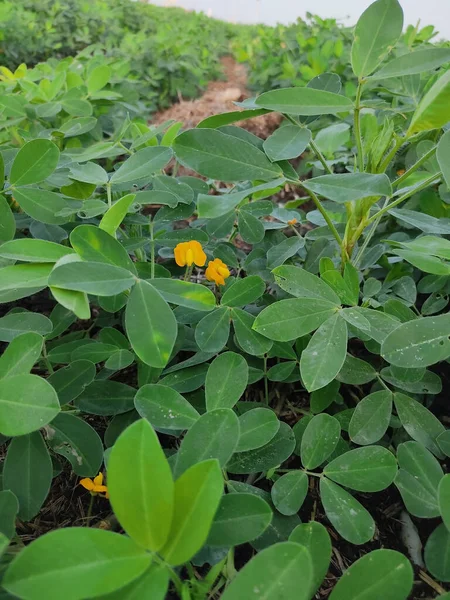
(88, 484)
(199, 254)
(98, 489)
(217, 271)
(98, 479)
(189, 253)
(292, 222)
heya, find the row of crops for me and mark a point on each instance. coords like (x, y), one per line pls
(224, 359)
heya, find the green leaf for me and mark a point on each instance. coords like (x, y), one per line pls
(226, 381)
(350, 519)
(251, 229)
(34, 162)
(15, 324)
(114, 216)
(27, 403)
(211, 207)
(95, 353)
(30, 250)
(248, 339)
(95, 245)
(21, 355)
(9, 507)
(369, 469)
(106, 398)
(418, 479)
(371, 418)
(141, 487)
(223, 157)
(304, 101)
(95, 278)
(98, 78)
(379, 574)
(19, 281)
(289, 492)
(325, 354)
(444, 500)
(240, 518)
(287, 142)
(376, 32)
(443, 441)
(319, 440)
(315, 538)
(266, 457)
(77, 441)
(164, 407)
(184, 293)
(120, 360)
(280, 253)
(142, 164)
(197, 495)
(433, 111)
(412, 63)
(150, 324)
(244, 291)
(290, 319)
(321, 399)
(42, 205)
(69, 382)
(28, 473)
(257, 426)
(187, 379)
(381, 324)
(283, 571)
(302, 284)
(418, 343)
(437, 553)
(349, 187)
(152, 585)
(356, 371)
(212, 332)
(214, 435)
(87, 559)
(7, 221)
(425, 223)
(89, 173)
(443, 158)
(227, 118)
(419, 422)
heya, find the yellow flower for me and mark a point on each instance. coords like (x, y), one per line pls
(292, 222)
(95, 486)
(217, 271)
(189, 253)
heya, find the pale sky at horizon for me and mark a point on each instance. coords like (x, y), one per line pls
(430, 12)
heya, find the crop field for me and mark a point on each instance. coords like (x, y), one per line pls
(224, 292)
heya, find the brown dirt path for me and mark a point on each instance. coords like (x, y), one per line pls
(219, 98)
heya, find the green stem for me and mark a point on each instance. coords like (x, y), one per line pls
(108, 194)
(368, 237)
(384, 165)
(48, 364)
(382, 383)
(266, 381)
(415, 166)
(89, 512)
(357, 128)
(433, 179)
(313, 146)
(152, 251)
(329, 222)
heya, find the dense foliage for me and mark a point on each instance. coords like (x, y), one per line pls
(163, 53)
(238, 377)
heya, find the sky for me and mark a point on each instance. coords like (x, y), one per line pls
(430, 12)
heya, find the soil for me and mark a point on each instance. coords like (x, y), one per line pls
(219, 98)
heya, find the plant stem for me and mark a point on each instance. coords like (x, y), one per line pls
(266, 381)
(313, 146)
(152, 251)
(415, 166)
(89, 512)
(384, 165)
(357, 128)
(382, 383)
(368, 237)
(433, 179)
(329, 222)
(48, 364)
(108, 193)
